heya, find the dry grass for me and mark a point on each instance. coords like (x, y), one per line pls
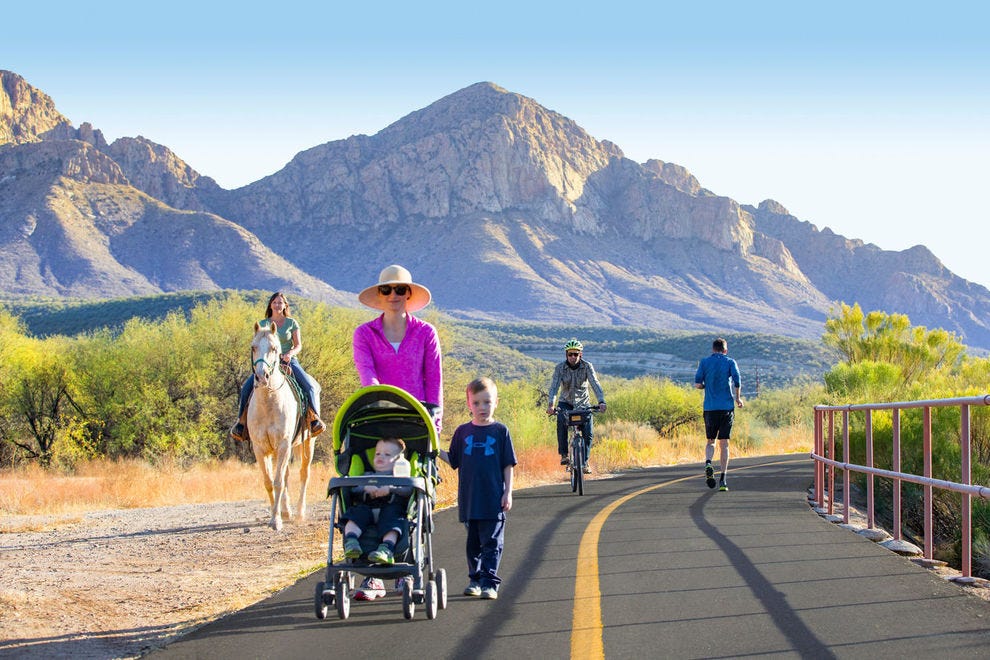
(131, 484)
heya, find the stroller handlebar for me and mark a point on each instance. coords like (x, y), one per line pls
(418, 483)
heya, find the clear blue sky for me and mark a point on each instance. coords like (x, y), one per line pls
(871, 118)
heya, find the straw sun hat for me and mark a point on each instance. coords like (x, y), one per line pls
(395, 274)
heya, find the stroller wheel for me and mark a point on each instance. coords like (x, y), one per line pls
(343, 598)
(441, 579)
(432, 600)
(321, 605)
(408, 604)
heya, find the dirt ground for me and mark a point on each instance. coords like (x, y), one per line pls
(116, 584)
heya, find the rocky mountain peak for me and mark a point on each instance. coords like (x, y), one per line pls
(27, 114)
(158, 171)
(674, 175)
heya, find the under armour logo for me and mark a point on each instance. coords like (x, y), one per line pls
(488, 445)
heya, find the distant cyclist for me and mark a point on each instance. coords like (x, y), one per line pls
(572, 377)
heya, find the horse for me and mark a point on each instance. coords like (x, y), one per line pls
(275, 426)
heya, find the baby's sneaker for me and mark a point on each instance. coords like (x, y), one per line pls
(383, 555)
(352, 548)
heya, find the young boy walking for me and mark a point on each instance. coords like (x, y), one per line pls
(482, 453)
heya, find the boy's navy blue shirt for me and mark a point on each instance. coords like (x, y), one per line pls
(480, 454)
(715, 371)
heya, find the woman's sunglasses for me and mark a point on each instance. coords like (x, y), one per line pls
(387, 289)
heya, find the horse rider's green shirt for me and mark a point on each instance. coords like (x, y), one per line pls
(284, 332)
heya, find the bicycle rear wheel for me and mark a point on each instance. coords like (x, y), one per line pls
(575, 471)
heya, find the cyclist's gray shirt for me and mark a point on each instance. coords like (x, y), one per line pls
(573, 384)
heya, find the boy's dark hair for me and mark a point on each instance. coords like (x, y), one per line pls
(718, 345)
(482, 384)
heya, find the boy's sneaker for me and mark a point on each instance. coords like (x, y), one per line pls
(473, 589)
(370, 589)
(383, 555)
(722, 487)
(489, 593)
(709, 474)
(352, 548)
(586, 469)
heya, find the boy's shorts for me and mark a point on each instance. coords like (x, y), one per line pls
(718, 424)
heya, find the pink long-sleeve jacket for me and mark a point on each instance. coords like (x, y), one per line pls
(416, 367)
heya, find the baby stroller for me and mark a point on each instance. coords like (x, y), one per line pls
(368, 415)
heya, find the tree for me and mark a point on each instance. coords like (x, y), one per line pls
(883, 338)
(37, 399)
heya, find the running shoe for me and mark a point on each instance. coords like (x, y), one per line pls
(352, 548)
(473, 589)
(489, 593)
(370, 589)
(564, 460)
(709, 474)
(383, 555)
(586, 469)
(722, 487)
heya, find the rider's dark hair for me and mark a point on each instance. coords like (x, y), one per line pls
(268, 310)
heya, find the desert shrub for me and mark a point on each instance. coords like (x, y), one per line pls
(658, 402)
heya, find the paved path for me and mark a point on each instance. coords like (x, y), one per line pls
(649, 564)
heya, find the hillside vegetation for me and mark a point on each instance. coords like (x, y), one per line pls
(512, 350)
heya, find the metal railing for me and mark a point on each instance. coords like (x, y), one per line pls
(825, 465)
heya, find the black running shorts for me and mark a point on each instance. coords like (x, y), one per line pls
(718, 424)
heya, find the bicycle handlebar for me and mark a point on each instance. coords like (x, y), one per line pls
(594, 410)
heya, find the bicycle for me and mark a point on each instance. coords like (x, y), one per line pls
(576, 419)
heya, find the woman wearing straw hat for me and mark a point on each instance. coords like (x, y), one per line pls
(400, 350)
(397, 348)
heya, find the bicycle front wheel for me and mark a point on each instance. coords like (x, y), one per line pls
(577, 465)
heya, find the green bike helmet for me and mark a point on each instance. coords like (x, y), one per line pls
(573, 345)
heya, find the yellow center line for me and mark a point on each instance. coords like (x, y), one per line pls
(586, 619)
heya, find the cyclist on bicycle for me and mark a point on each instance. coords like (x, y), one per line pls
(572, 377)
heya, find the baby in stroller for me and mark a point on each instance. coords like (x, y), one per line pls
(385, 445)
(390, 500)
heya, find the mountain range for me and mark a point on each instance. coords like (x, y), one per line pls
(505, 209)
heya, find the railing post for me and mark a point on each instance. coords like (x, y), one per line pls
(845, 471)
(831, 468)
(870, 518)
(896, 458)
(966, 477)
(819, 466)
(926, 446)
